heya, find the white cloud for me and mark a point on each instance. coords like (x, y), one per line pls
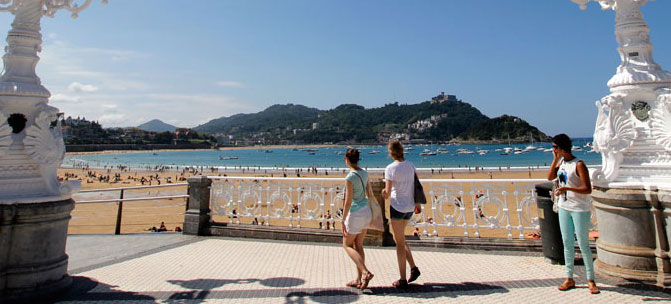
(112, 119)
(66, 98)
(78, 87)
(87, 82)
(230, 84)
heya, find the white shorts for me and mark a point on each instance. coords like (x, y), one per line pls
(358, 221)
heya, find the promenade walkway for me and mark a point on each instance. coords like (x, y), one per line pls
(172, 268)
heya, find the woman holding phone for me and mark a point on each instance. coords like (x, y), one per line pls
(574, 208)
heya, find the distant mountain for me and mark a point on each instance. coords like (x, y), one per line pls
(502, 128)
(441, 119)
(156, 126)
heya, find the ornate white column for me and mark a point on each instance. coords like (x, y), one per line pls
(632, 194)
(34, 206)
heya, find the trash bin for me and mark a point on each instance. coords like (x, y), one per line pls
(553, 247)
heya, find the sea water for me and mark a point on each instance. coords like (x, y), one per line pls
(447, 156)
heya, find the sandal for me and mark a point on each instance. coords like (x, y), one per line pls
(400, 284)
(414, 274)
(353, 283)
(365, 279)
(568, 284)
(591, 285)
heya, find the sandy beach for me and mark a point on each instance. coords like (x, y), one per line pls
(140, 216)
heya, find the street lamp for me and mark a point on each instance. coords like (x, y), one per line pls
(35, 206)
(632, 194)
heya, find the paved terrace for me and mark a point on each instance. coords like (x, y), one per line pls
(173, 268)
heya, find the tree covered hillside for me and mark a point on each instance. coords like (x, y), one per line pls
(441, 119)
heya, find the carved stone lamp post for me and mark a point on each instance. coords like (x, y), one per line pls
(632, 194)
(34, 205)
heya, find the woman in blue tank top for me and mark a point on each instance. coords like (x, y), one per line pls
(357, 215)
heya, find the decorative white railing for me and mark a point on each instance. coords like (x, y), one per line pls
(468, 207)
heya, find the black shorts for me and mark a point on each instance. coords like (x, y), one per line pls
(396, 215)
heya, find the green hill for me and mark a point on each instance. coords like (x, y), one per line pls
(276, 116)
(441, 119)
(502, 128)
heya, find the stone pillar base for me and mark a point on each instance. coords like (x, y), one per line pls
(33, 263)
(634, 228)
(632, 274)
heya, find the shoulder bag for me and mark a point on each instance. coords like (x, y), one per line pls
(420, 197)
(376, 221)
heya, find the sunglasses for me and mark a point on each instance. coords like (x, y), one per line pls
(555, 146)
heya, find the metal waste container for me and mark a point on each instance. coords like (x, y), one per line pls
(553, 247)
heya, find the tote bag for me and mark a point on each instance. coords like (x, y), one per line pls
(376, 221)
(420, 197)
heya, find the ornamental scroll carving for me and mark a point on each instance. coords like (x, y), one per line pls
(660, 121)
(614, 132)
(44, 143)
(5, 135)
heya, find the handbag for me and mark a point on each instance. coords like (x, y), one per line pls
(420, 197)
(376, 219)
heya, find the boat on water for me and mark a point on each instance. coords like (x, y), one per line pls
(576, 148)
(427, 153)
(268, 151)
(154, 153)
(464, 151)
(312, 153)
(227, 157)
(374, 152)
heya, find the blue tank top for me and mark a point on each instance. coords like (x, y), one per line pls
(358, 191)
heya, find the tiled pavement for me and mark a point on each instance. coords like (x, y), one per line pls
(182, 269)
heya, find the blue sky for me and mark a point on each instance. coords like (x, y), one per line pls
(186, 62)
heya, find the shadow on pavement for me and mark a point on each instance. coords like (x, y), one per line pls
(87, 290)
(202, 288)
(641, 290)
(435, 290)
(322, 296)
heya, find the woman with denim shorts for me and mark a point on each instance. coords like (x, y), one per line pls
(399, 188)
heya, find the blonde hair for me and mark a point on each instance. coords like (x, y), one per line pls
(396, 150)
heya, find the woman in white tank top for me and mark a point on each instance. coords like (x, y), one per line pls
(575, 208)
